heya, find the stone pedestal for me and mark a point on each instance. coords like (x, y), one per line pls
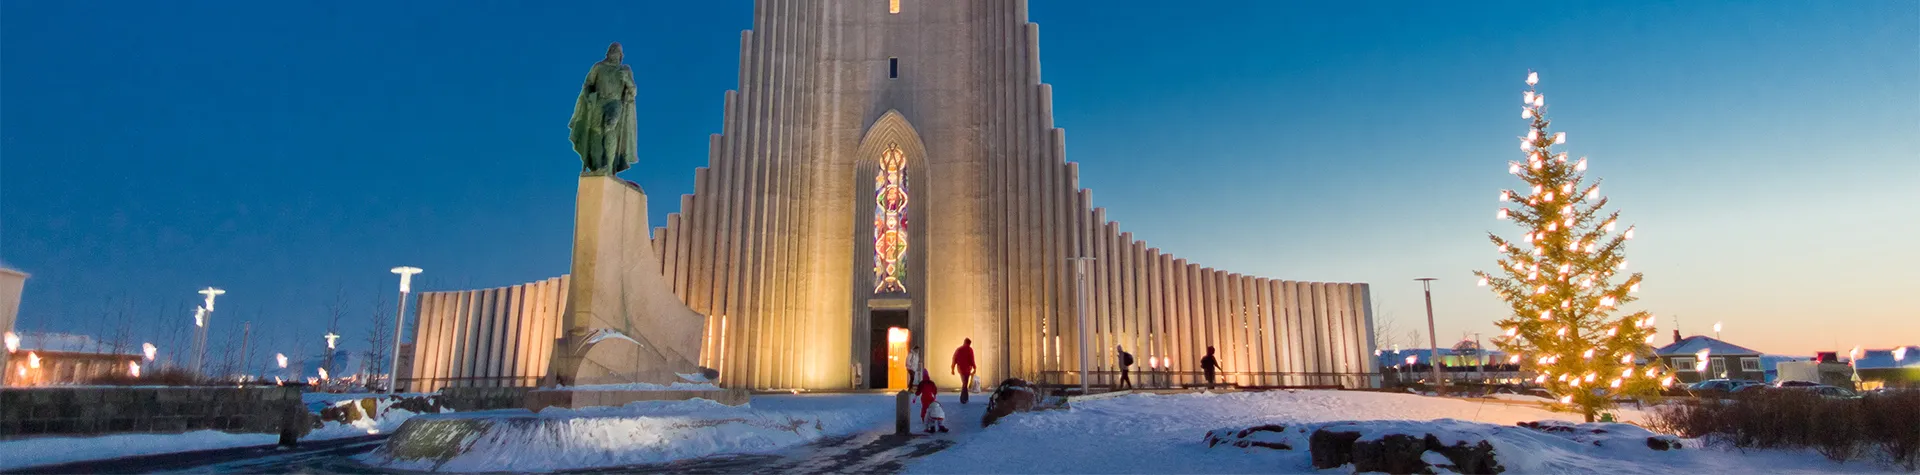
(623, 323)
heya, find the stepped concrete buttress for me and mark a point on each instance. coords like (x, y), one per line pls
(623, 324)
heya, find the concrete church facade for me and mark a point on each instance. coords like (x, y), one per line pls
(894, 163)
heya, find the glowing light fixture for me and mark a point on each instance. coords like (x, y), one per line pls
(149, 350)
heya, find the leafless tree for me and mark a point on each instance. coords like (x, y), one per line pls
(379, 338)
(336, 310)
(1384, 327)
(174, 337)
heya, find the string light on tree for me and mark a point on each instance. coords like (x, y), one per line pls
(1565, 260)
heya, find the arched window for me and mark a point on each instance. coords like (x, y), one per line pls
(890, 222)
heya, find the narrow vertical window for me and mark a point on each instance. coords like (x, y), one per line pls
(893, 6)
(893, 68)
(890, 222)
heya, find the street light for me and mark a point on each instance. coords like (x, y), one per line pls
(203, 316)
(1080, 313)
(393, 364)
(1426, 284)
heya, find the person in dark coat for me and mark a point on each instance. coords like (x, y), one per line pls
(1126, 360)
(1210, 365)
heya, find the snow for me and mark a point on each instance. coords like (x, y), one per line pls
(649, 432)
(1149, 433)
(57, 450)
(1519, 397)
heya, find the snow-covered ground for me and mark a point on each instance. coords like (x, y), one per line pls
(58, 450)
(1146, 433)
(647, 432)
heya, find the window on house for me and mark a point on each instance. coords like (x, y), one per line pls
(893, 68)
(1683, 363)
(1750, 364)
(1718, 367)
(893, 6)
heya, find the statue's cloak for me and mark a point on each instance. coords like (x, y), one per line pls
(586, 130)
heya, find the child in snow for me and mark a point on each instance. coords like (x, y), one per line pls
(937, 421)
(926, 391)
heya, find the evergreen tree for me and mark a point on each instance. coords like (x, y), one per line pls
(1562, 279)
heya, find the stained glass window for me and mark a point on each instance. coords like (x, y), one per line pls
(890, 222)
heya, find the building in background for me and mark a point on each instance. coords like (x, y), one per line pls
(1894, 368)
(46, 359)
(11, 283)
(1724, 360)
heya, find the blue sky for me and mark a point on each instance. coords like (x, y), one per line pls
(291, 151)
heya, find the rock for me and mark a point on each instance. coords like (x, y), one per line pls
(1013, 395)
(1331, 449)
(1270, 436)
(1663, 443)
(1396, 453)
(1399, 453)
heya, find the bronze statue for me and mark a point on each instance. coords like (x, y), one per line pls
(603, 130)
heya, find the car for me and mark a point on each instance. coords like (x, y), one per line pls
(1829, 392)
(1794, 384)
(1720, 386)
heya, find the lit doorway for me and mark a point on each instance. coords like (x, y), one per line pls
(890, 341)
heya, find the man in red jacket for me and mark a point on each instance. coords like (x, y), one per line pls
(963, 363)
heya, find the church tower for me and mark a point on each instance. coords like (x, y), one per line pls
(889, 170)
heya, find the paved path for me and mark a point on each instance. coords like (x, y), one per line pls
(336, 448)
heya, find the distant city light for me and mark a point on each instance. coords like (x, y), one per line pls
(133, 368)
(282, 358)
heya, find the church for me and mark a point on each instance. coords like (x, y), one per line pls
(888, 176)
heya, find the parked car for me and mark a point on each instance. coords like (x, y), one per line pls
(1794, 384)
(1720, 386)
(1829, 392)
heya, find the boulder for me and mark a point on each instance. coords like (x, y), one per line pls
(1269, 436)
(1013, 395)
(1332, 447)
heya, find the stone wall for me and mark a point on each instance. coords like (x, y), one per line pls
(98, 410)
(465, 399)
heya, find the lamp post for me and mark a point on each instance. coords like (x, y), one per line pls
(1426, 285)
(201, 317)
(393, 363)
(1080, 314)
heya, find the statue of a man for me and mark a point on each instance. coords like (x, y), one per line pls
(603, 118)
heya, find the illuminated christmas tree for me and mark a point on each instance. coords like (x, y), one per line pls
(1562, 279)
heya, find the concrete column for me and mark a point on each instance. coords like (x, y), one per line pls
(452, 312)
(1271, 323)
(1366, 305)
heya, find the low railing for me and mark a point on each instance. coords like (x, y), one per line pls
(431, 384)
(1170, 379)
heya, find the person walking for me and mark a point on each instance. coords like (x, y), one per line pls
(963, 364)
(1210, 365)
(915, 367)
(1126, 360)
